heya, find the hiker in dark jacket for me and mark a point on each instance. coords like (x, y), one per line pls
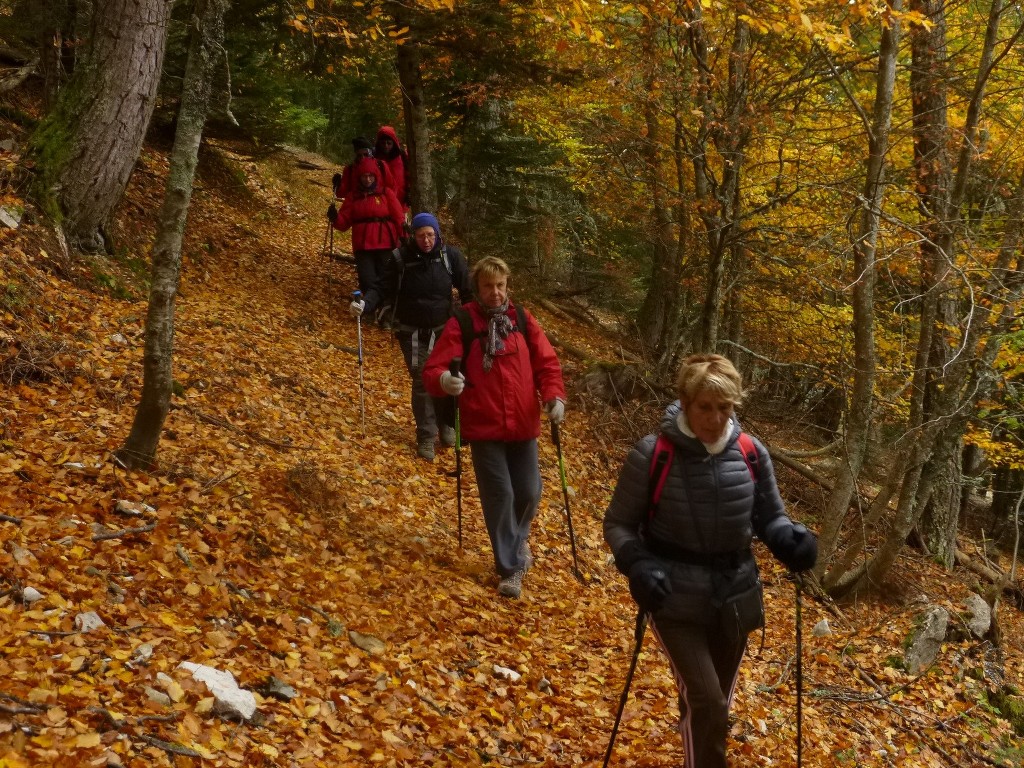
(418, 281)
(688, 556)
(376, 220)
(504, 369)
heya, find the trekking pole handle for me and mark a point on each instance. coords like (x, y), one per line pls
(454, 366)
(357, 294)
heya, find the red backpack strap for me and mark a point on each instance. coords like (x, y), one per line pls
(661, 461)
(749, 451)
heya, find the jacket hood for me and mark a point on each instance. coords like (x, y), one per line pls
(367, 165)
(387, 132)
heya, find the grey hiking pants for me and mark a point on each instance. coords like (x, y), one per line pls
(416, 344)
(705, 668)
(508, 477)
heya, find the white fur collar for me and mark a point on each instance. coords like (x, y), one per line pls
(714, 448)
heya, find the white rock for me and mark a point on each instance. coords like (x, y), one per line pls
(88, 621)
(142, 655)
(508, 674)
(9, 218)
(31, 595)
(822, 629)
(158, 697)
(230, 699)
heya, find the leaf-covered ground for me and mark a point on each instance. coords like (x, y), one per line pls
(280, 537)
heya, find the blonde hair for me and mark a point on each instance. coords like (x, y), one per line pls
(489, 266)
(709, 373)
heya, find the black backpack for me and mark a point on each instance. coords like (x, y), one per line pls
(400, 261)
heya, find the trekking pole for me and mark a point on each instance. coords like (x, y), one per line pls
(565, 495)
(328, 249)
(453, 369)
(799, 672)
(356, 295)
(641, 626)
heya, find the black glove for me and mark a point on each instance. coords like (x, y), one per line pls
(332, 212)
(335, 183)
(649, 585)
(798, 552)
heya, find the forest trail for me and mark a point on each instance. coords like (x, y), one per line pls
(286, 535)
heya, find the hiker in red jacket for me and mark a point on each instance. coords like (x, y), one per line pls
(345, 183)
(680, 524)
(376, 220)
(497, 387)
(389, 149)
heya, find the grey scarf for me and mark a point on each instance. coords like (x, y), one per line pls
(499, 326)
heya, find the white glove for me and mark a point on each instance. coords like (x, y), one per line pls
(555, 409)
(453, 385)
(357, 307)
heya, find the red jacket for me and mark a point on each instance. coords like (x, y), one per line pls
(395, 162)
(376, 217)
(500, 404)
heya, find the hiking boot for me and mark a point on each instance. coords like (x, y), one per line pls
(526, 556)
(512, 586)
(425, 449)
(448, 436)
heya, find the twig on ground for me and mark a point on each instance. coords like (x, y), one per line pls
(125, 532)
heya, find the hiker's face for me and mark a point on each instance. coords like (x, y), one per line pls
(387, 144)
(367, 180)
(425, 238)
(708, 415)
(361, 153)
(492, 289)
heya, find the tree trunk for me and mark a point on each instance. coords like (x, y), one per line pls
(725, 124)
(941, 518)
(657, 312)
(86, 148)
(420, 172)
(139, 450)
(954, 357)
(858, 418)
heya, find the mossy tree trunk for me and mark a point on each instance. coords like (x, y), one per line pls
(139, 450)
(86, 147)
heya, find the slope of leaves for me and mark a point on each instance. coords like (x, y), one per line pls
(280, 537)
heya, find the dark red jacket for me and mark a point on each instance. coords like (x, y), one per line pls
(499, 404)
(375, 216)
(395, 161)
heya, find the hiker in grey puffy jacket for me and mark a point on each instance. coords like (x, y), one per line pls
(689, 561)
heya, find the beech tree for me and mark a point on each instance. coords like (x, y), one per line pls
(139, 449)
(85, 148)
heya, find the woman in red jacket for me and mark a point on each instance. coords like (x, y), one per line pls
(376, 220)
(499, 411)
(387, 148)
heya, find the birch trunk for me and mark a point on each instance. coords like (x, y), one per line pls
(139, 449)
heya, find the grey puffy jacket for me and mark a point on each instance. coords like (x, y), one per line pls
(707, 508)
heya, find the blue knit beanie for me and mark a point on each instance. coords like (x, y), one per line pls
(427, 220)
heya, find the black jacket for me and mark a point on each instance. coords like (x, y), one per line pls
(709, 507)
(419, 285)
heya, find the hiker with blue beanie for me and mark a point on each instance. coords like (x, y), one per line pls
(421, 281)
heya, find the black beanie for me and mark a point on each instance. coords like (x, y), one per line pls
(360, 142)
